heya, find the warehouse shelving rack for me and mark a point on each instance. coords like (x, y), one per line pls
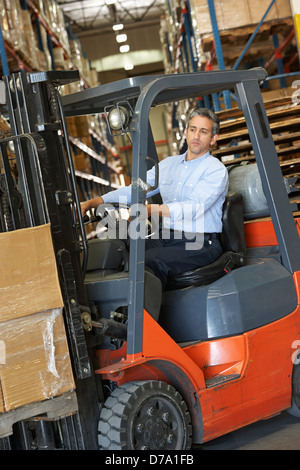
(187, 57)
(100, 180)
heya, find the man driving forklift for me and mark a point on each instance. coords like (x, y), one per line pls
(193, 187)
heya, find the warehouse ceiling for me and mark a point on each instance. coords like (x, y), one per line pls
(87, 15)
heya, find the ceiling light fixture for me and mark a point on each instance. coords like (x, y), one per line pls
(121, 37)
(110, 2)
(124, 48)
(128, 66)
(118, 27)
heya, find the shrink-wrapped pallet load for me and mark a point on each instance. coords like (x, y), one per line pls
(34, 355)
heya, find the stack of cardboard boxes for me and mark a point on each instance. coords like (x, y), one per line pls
(34, 355)
(236, 21)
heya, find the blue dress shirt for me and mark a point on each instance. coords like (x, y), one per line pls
(193, 190)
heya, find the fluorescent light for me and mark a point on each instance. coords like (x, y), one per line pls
(121, 37)
(124, 48)
(110, 2)
(128, 66)
(118, 27)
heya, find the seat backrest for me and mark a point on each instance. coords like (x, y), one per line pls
(233, 234)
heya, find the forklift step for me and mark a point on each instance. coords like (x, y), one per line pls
(219, 379)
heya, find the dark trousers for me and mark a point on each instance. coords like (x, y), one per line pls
(168, 256)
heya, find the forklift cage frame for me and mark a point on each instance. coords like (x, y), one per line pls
(155, 90)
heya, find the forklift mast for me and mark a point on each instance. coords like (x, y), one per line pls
(46, 187)
(48, 190)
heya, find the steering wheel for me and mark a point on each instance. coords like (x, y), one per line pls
(114, 221)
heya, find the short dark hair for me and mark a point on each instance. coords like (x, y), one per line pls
(205, 112)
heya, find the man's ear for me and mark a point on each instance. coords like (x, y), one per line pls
(214, 139)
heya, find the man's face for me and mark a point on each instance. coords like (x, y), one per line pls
(199, 136)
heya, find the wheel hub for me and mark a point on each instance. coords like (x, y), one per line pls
(156, 425)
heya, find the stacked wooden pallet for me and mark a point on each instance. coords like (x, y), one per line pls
(234, 41)
(234, 145)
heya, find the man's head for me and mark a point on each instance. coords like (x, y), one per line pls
(201, 132)
(208, 114)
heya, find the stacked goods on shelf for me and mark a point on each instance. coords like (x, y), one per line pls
(232, 14)
(34, 57)
(38, 40)
(78, 127)
(13, 28)
(236, 22)
(83, 132)
(82, 63)
(55, 19)
(4, 21)
(20, 32)
(52, 15)
(171, 29)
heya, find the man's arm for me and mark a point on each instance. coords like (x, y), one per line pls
(161, 210)
(90, 204)
(122, 194)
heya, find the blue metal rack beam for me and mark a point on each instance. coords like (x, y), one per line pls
(279, 61)
(253, 36)
(3, 56)
(219, 53)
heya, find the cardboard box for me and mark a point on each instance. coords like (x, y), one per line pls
(37, 363)
(28, 273)
(34, 356)
(231, 14)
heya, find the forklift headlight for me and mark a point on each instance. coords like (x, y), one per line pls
(118, 118)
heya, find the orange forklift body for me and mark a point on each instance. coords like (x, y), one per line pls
(229, 382)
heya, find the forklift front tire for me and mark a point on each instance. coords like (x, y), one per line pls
(146, 415)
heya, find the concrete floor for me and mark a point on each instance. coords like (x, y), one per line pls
(282, 432)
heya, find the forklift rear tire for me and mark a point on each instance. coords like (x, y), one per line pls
(147, 415)
(295, 408)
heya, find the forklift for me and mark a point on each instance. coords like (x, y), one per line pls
(217, 349)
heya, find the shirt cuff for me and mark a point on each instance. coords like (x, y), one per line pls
(175, 209)
(187, 217)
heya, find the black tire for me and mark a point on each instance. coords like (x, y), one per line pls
(145, 415)
(295, 408)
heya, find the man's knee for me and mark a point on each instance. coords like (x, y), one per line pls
(157, 266)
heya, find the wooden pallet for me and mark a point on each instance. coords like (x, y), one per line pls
(51, 409)
(234, 146)
(284, 120)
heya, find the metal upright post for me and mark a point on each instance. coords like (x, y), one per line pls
(50, 47)
(189, 39)
(295, 7)
(219, 52)
(5, 68)
(279, 61)
(39, 34)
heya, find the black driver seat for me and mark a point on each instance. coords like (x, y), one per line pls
(232, 241)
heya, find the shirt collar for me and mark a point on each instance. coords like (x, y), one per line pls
(183, 157)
